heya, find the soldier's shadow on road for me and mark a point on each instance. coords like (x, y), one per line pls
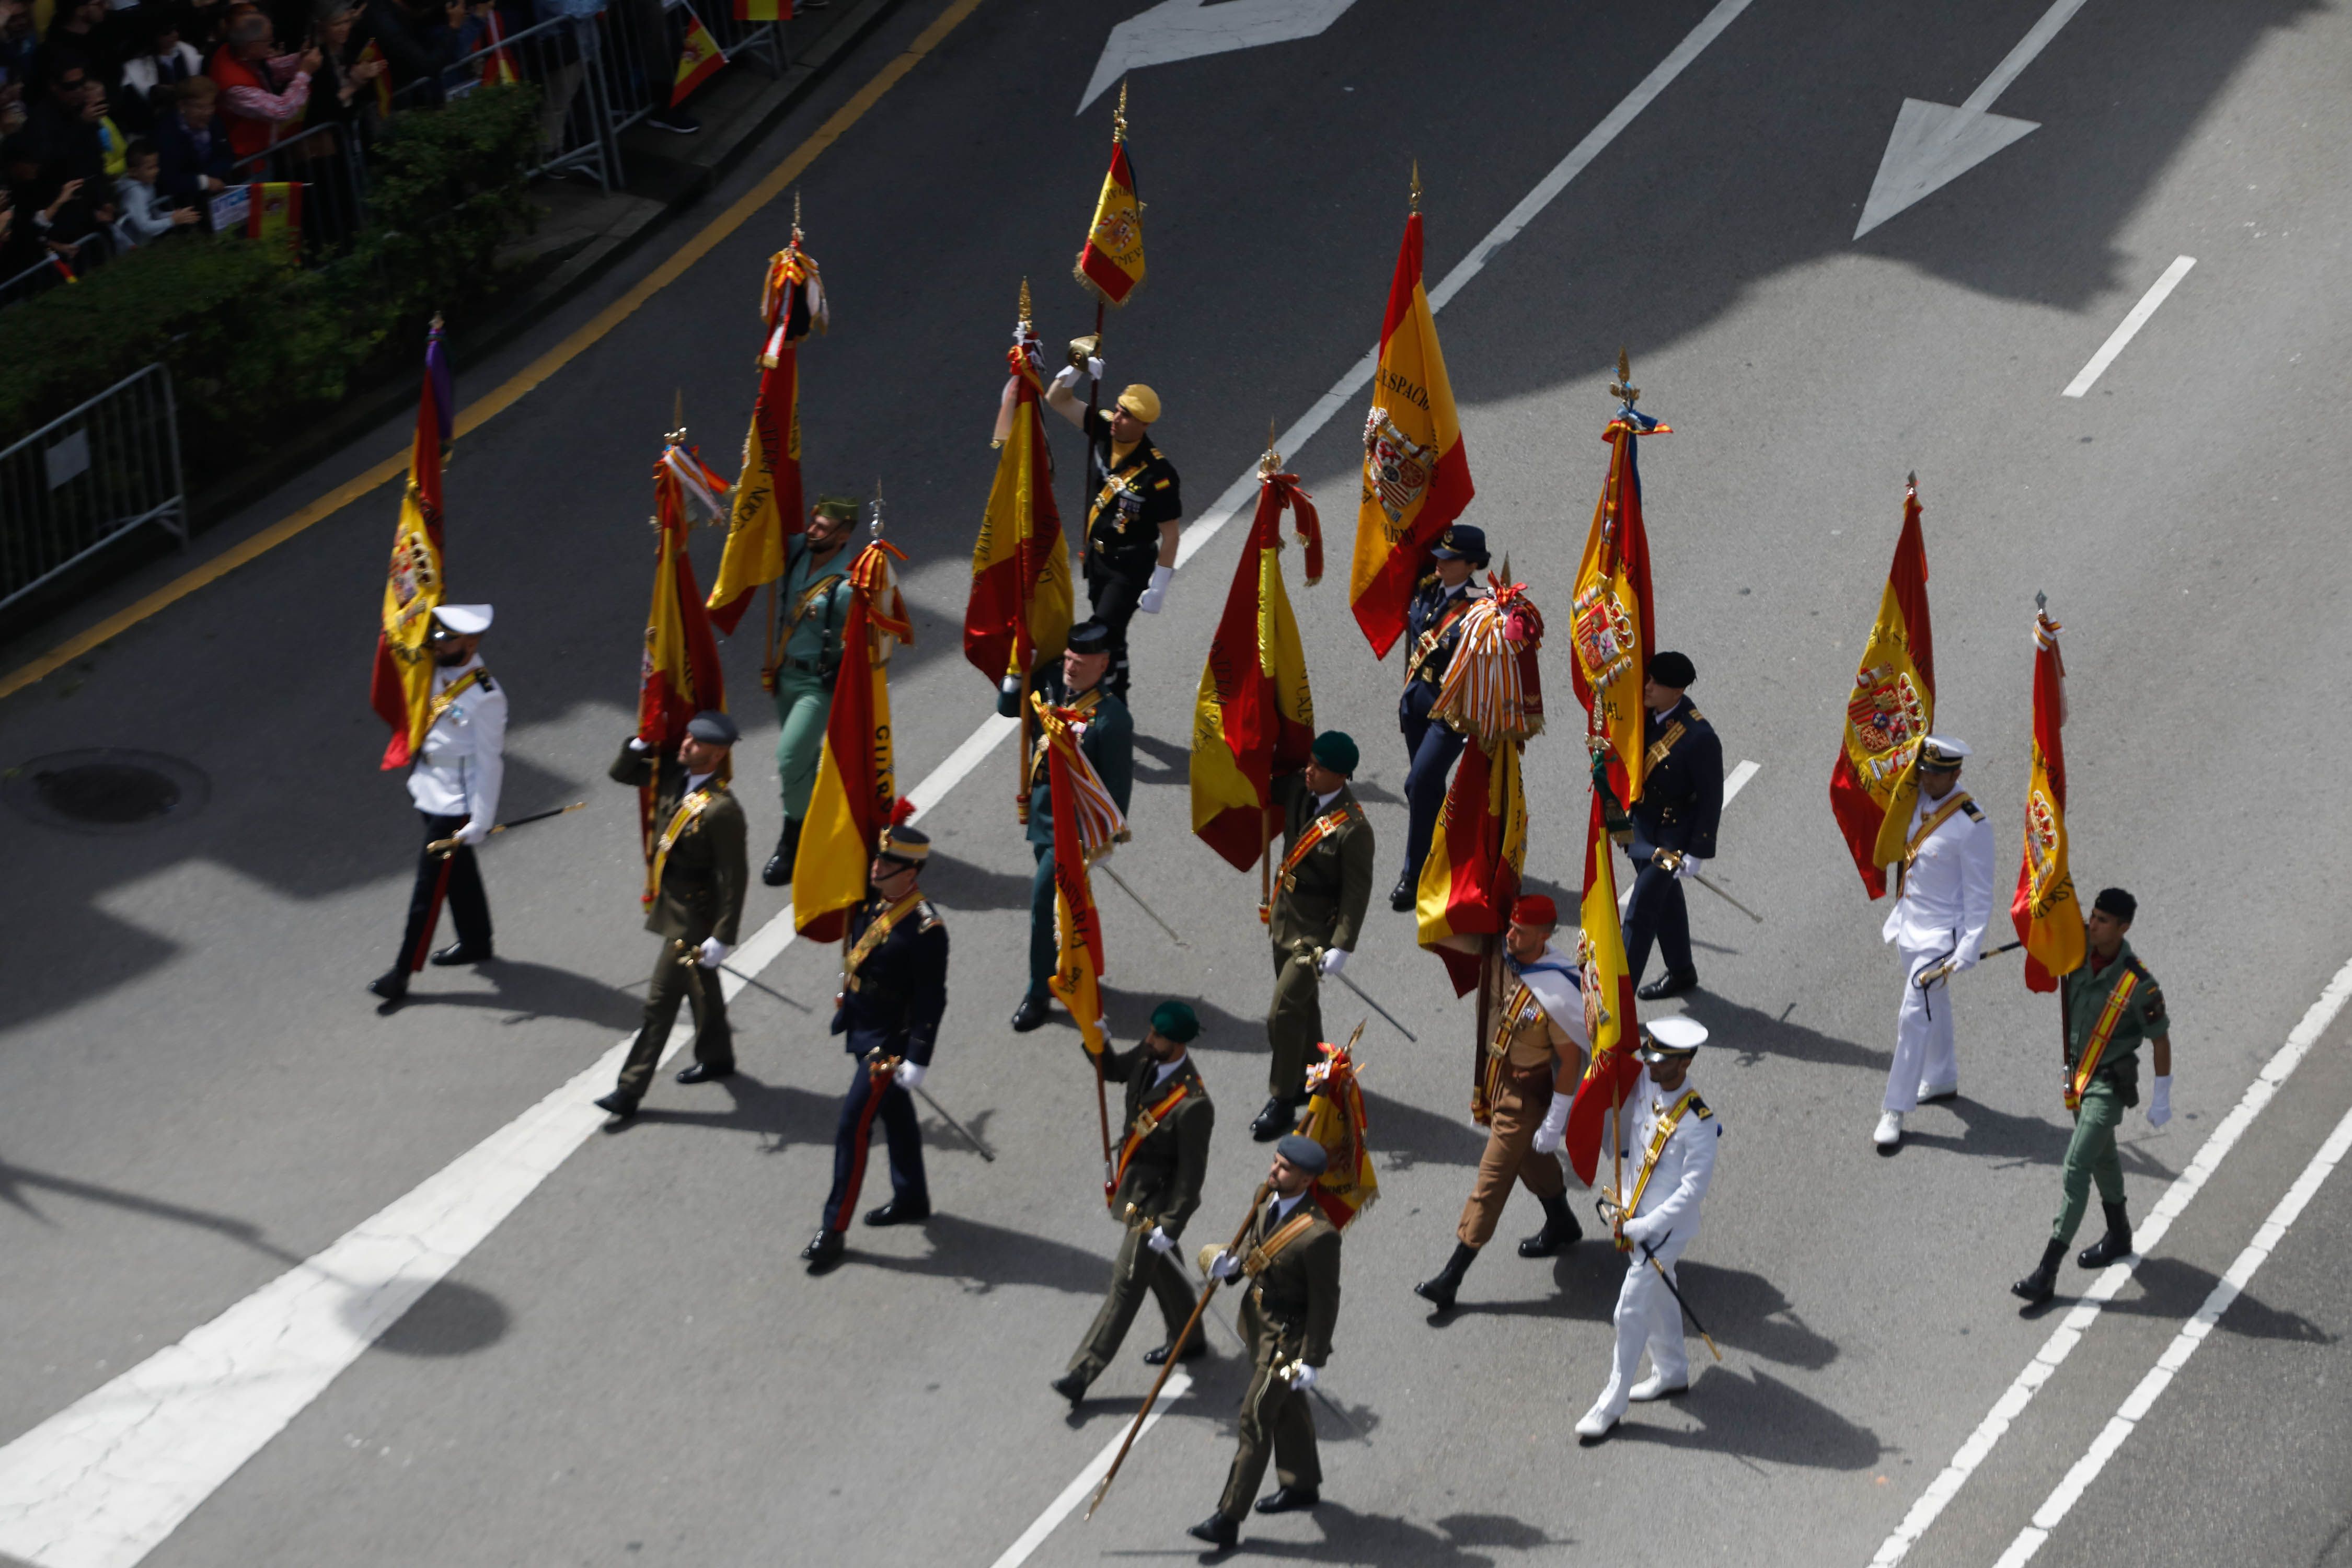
(525, 991)
(986, 1257)
(956, 884)
(1757, 1416)
(1755, 1036)
(1745, 1311)
(2173, 1288)
(1990, 1134)
(783, 1115)
(1457, 1541)
(1129, 1013)
(1403, 1136)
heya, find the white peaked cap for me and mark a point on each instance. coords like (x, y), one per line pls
(1944, 748)
(465, 620)
(1674, 1031)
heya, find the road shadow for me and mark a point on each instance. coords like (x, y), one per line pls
(1389, 1540)
(2175, 1289)
(956, 884)
(525, 991)
(985, 1257)
(1159, 762)
(1757, 1418)
(451, 1319)
(16, 1179)
(1755, 1036)
(1403, 1136)
(1990, 1134)
(780, 1115)
(1744, 1310)
(1129, 1013)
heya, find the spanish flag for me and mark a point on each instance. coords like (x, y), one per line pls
(1111, 261)
(1254, 716)
(767, 510)
(273, 214)
(1335, 1119)
(1609, 1022)
(2048, 916)
(1416, 475)
(402, 690)
(1019, 610)
(499, 70)
(1890, 711)
(698, 58)
(1613, 626)
(1087, 823)
(764, 10)
(856, 777)
(680, 675)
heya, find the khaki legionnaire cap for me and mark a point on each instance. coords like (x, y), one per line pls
(1142, 402)
(1670, 1037)
(1942, 753)
(459, 621)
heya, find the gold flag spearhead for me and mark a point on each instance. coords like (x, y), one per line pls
(1416, 185)
(1025, 304)
(1119, 116)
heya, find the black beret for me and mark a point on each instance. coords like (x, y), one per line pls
(1672, 670)
(2116, 903)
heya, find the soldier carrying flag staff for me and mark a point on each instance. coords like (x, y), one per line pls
(1434, 622)
(1133, 508)
(811, 612)
(1943, 901)
(1163, 1158)
(1075, 687)
(1673, 824)
(894, 990)
(1321, 888)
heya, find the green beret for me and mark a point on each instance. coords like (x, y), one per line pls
(1176, 1021)
(1337, 752)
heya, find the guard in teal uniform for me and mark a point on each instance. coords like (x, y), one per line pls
(2112, 1004)
(812, 601)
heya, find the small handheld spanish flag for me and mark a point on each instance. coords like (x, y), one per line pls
(698, 58)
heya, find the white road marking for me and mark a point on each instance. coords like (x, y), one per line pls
(2184, 1344)
(2157, 294)
(2077, 1322)
(1179, 1383)
(1186, 29)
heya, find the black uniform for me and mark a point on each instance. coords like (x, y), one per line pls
(1681, 805)
(1126, 504)
(890, 1007)
(1433, 624)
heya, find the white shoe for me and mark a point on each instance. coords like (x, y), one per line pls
(1656, 1387)
(1889, 1135)
(1596, 1423)
(1928, 1091)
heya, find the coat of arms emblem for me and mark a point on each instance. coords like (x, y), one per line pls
(1886, 719)
(1603, 630)
(1396, 469)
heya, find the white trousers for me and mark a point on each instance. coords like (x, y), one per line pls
(1648, 1318)
(1923, 1034)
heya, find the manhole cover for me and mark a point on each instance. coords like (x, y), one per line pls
(105, 790)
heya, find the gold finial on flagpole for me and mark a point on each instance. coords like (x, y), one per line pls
(796, 217)
(676, 436)
(1622, 388)
(1416, 185)
(1911, 482)
(1119, 116)
(1270, 464)
(873, 528)
(1025, 304)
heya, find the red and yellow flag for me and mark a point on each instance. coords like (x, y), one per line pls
(1335, 1119)
(1019, 610)
(1613, 626)
(402, 690)
(2048, 916)
(857, 778)
(768, 510)
(764, 10)
(1254, 716)
(1416, 474)
(373, 53)
(1875, 781)
(273, 214)
(1086, 822)
(1111, 261)
(1609, 1021)
(698, 58)
(680, 675)
(499, 70)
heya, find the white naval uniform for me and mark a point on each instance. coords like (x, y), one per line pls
(463, 761)
(1945, 904)
(1647, 1315)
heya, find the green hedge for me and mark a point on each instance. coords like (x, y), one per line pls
(254, 344)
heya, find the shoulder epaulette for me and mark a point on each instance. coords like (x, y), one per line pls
(1424, 582)
(1969, 806)
(486, 683)
(928, 916)
(1699, 1106)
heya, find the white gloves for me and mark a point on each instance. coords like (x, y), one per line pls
(1067, 379)
(637, 745)
(908, 1076)
(1159, 1240)
(2160, 1104)
(1095, 367)
(1964, 961)
(1638, 1231)
(712, 952)
(1552, 1131)
(1224, 1266)
(472, 832)
(1156, 595)
(1302, 1378)
(1687, 868)
(1333, 961)
(1009, 686)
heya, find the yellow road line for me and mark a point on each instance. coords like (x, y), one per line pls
(522, 382)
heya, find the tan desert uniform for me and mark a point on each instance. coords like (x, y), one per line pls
(1529, 1050)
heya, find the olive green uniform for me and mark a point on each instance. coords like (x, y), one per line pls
(812, 601)
(1159, 1186)
(2114, 1086)
(1288, 1309)
(1318, 905)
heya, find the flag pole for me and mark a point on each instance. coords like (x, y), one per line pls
(1094, 385)
(1268, 467)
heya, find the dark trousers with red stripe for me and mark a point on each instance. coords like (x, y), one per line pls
(851, 1140)
(455, 877)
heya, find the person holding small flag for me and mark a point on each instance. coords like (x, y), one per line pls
(1943, 901)
(2111, 1004)
(811, 608)
(1434, 621)
(1154, 1187)
(1675, 822)
(1321, 890)
(1134, 509)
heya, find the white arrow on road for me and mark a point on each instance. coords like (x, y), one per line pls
(1186, 29)
(1935, 143)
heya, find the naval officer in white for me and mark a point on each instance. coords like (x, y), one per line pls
(1942, 904)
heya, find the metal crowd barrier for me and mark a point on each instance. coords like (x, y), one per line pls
(41, 275)
(562, 55)
(89, 477)
(326, 162)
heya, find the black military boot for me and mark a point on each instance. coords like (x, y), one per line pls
(1559, 1229)
(1279, 1118)
(2111, 1247)
(778, 871)
(2042, 1283)
(1401, 897)
(1438, 1290)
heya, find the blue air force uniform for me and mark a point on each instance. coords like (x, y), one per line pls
(1681, 805)
(1432, 630)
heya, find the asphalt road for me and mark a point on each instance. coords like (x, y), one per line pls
(195, 1095)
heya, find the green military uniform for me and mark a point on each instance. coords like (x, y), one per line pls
(1109, 745)
(1318, 904)
(2114, 1084)
(813, 602)
(1161, 1156)
(1289, 1311)
(700, 895)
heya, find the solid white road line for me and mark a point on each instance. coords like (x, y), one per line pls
(1179, 1383)
(2132, 323)
(2184, 1344)
(2077, 1322)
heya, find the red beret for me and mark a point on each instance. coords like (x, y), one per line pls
(1535, 909)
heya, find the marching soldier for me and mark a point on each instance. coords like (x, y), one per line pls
(696, 885)
(1943, 900)
(1535, 1059)
(454, 786)
(1434, 622)
(1160, 1162)
(1320, 891)
(1291, 1254)
(1133, 509)
(1673, 824)
(1106, 737)
(2111, 1004)
(1655, 1219)
(811, 603)
(894, 989)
